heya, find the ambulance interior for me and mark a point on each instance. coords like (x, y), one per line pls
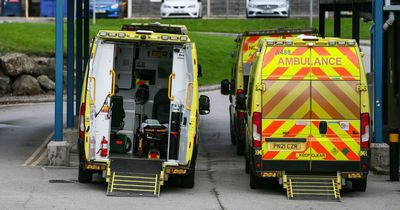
(138, 120)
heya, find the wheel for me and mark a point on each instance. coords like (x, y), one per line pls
(239, 145)
(233, 137)
(359, 185)
(84, 176)
(247, 167)
(188, 180)
(255, 182)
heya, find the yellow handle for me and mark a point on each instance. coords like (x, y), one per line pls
(190, 85)
(171, 76)
(112, 72)
(94, 91)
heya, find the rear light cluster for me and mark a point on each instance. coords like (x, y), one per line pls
(256, 129)
(82, 121)
(365, 130)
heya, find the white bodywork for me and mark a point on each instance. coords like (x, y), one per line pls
(182, 68)
(100, 83)
(181, 9)
(260, 8)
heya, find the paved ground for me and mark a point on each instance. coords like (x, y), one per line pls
(220, 179)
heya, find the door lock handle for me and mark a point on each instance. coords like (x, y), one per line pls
(323, 127)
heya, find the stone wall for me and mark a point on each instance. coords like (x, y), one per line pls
(21, 74)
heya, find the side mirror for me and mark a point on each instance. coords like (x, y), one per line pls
(241, 101)
(204, 105)
(199, 71)
(225, 87)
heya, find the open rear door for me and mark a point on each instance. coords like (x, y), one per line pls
(100, 83)
(286, 109)
(335, 106)
(181, 93)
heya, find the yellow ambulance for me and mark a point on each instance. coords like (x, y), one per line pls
(139, 115)
(236, 86)
(308, 116)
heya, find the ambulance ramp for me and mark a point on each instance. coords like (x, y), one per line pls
(312, 187)
(135, 177)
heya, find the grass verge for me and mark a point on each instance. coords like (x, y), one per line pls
(213, 50)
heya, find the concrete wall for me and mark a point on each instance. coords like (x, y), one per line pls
(220, 8)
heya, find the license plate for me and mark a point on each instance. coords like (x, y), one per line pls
(100, 11)
(281, 146)
(178, 11)
(267, 11)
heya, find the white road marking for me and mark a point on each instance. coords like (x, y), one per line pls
(38, 150)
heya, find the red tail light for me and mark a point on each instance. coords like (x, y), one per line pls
(256, 129)
(239, 91)
(365, 130)
(82, 121)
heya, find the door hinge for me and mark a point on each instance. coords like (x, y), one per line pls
(362, 88)
(261, 87)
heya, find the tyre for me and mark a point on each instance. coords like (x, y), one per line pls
(359, 185)
(84, 176)
(188, 180)
(255, 182)
(247, 167)
(233, 137)
(239, 147)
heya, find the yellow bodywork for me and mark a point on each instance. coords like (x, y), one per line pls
(297, 84)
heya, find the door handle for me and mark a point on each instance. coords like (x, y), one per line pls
(323, 127)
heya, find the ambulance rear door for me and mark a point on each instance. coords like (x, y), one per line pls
(335, 108)
(101, 75)
(286, 108)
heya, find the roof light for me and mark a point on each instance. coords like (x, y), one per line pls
(331, 43)
(307, 37)
(153, 37)
(310, 44)
(270, 42)
(143, 36)
(173, 38)
(289, 42)
(121, 35)
(112, 34)
(103, 33)
(279, 42)
(144, 32)
(164, 37)
(351, 43)
(341, 42)
(183, 38)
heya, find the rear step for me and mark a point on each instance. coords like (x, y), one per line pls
(135, 177)
(312, 187)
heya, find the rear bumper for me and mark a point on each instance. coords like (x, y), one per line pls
(315, 166)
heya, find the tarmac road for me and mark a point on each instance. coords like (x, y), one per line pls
(221, 182)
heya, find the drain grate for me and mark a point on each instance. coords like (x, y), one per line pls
(62, 181)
